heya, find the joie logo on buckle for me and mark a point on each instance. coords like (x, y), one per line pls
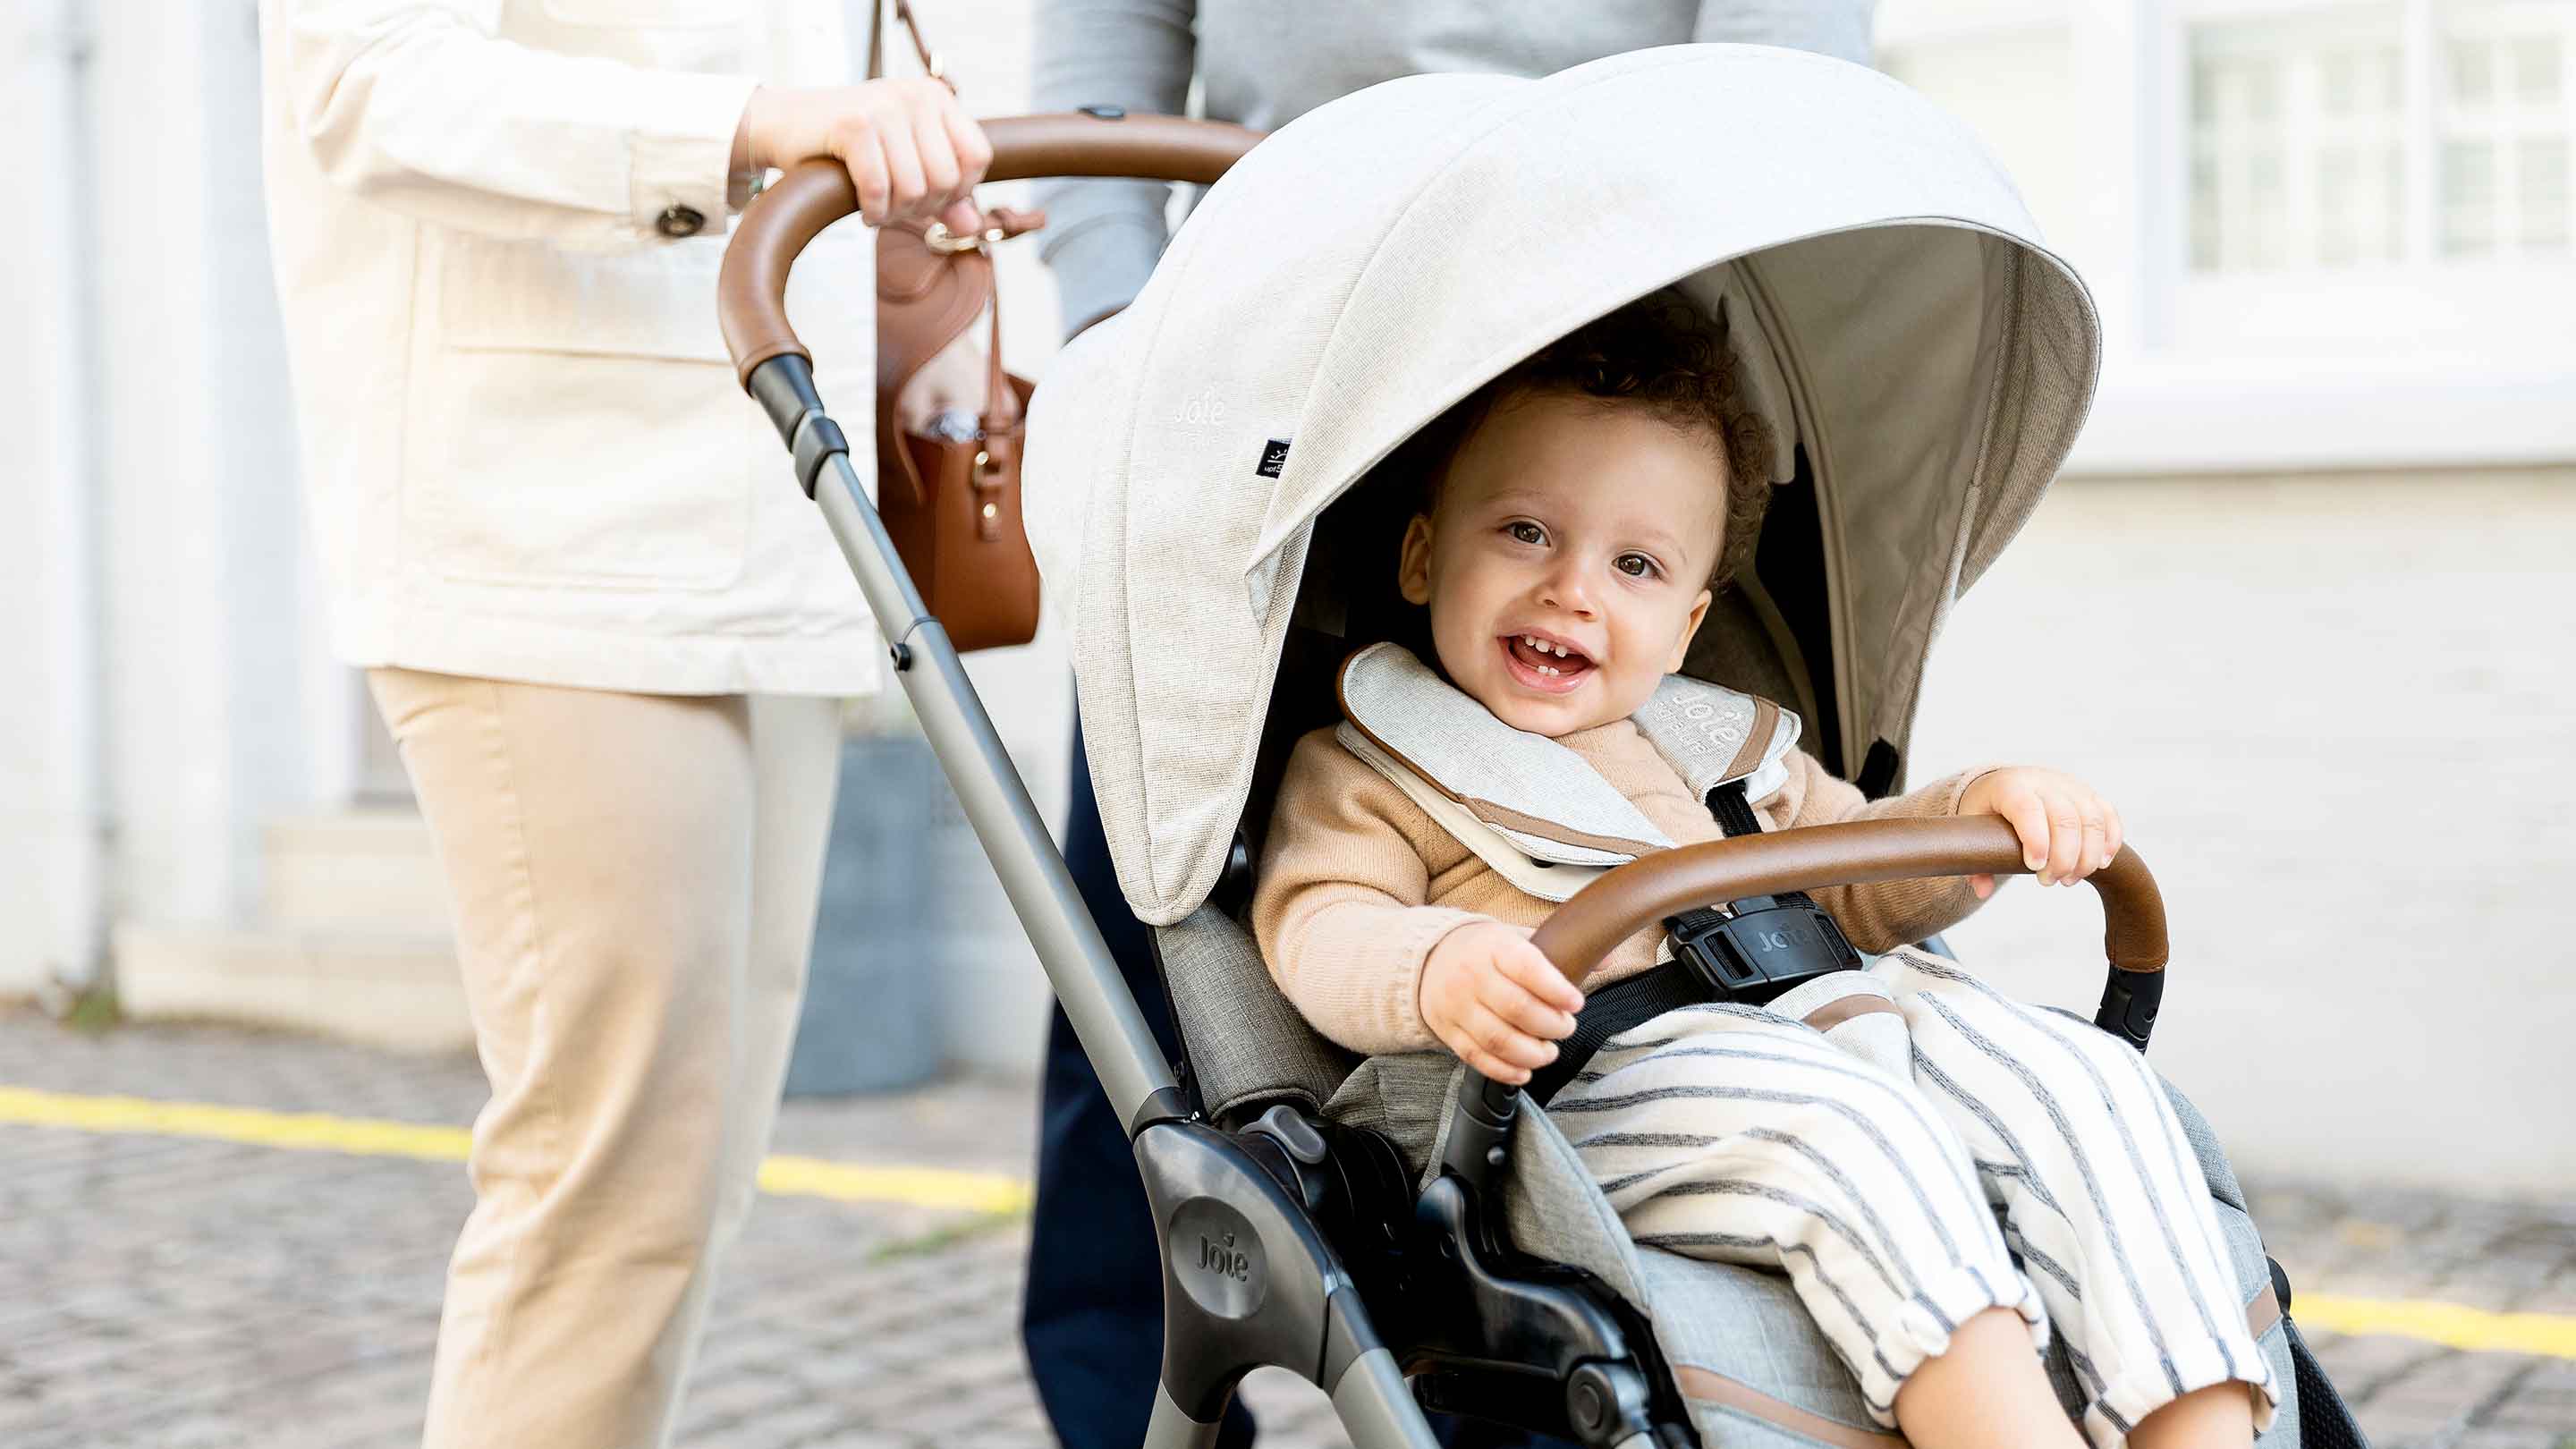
(1759, 947)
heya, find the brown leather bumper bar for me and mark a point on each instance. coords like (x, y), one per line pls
(1634, 896)
(751, 292)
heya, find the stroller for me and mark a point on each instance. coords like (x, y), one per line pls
(1401, 1232)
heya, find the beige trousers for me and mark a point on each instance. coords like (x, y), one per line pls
(634, 881)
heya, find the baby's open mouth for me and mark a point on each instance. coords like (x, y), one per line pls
(1544, 665)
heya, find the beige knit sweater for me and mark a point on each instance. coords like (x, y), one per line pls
(1358, 884)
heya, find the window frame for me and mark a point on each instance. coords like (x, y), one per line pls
(2422, 297)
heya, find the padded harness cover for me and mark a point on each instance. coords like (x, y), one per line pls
(1532, 809)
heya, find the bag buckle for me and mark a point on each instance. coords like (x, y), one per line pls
(1759, 947)
(940, 239)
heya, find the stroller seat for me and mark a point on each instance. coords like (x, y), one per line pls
(1745, 1359)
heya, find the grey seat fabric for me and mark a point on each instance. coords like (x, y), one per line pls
(1735, 1332)
(1248, 1047)
(1745, 642)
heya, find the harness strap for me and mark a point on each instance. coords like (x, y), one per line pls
(1735, 816)
(1617, 1007)
(1667, 986)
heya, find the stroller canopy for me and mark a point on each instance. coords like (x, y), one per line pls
(1382, 257)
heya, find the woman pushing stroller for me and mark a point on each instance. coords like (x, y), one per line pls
(1857, 1131)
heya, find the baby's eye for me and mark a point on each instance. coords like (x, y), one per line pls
(1635, 565)
(1525, 531)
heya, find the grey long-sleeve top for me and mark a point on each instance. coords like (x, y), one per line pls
(1263, 63)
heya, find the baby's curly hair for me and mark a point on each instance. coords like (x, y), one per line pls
(1662, 353)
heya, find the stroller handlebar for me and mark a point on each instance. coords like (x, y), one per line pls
(1631, 897)
(1634, 896)
(751, 292)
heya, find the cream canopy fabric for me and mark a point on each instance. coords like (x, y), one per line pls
(1383, 256)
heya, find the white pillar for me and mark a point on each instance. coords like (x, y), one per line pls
(206, 643)
(52, 828)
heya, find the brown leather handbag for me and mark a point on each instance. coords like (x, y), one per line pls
(950, 497)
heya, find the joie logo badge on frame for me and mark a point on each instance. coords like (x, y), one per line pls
(1216, 1256)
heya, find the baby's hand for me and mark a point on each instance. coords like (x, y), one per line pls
(1491, 997)
(2067, 830)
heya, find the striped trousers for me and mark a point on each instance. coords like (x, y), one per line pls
(1904, 1143)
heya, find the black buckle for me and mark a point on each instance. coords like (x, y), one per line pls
(1759, 947)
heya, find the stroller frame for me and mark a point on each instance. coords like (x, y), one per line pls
(1292, 1242)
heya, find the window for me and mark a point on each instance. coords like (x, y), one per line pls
(2309, 147)
(2298, 141)
(2505, 125)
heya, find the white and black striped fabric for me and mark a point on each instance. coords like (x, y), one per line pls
(1937, 1151)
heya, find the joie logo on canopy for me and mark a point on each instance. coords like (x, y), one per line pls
(1202, 409)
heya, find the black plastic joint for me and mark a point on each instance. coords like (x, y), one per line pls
(784, 388)
(2129, 1002)
(818, 441)
(1480, 1130)
(1163, 1104)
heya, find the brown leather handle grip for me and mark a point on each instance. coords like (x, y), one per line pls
(751, 292)
(1633, 896)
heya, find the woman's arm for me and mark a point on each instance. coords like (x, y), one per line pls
(419, 105)
(1104, 236)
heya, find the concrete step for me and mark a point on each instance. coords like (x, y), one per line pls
(393, 989)
(369, 870)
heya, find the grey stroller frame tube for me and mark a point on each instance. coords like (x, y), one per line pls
(1024, 855)
(775, 369)
(1209, 1199)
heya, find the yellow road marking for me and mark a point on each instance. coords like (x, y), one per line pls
(2454, 1325)
(929, 1187)
(2552, 1335)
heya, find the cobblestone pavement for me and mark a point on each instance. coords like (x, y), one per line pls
(186, 1294)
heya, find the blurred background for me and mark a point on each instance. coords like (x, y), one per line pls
(2304, 604)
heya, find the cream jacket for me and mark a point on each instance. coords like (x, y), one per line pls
(496, 227)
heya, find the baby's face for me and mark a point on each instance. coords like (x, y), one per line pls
(1564, 565)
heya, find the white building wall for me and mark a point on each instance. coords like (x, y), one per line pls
(2423, 362)
(52, 824)
(203, 642)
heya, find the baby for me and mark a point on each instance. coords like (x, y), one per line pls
(1578, 514)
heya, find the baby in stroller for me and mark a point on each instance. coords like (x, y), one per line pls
(1856, 1130)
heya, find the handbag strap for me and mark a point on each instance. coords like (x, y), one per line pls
(930, 63)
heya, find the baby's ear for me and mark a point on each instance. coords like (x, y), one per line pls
(1413, 563)
(1690, 631)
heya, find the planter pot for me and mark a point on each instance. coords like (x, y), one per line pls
(872, 1020)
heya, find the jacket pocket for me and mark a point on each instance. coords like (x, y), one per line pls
(574, 421)
(649, 301)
